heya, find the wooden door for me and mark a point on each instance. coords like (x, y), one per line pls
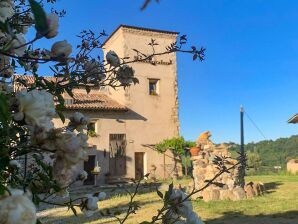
(117, 163)
(139, 165)
(88, 167)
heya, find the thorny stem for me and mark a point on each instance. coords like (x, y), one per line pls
(131, 208)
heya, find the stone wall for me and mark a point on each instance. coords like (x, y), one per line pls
(225, 186)
(292, 166)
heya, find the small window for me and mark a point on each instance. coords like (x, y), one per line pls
(68, 101)
(153, 87)
(91, 131)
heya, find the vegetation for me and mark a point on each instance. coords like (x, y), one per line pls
(271, 153)
(254, 161)
(176, 145)
(27, 132)
(279, 205)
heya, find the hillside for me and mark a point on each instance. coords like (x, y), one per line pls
(273, 153)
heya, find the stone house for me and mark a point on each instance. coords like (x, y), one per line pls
(126, 123)
(292, 165)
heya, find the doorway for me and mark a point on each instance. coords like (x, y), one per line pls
(139, 165)
(88, 167)
(117, 164)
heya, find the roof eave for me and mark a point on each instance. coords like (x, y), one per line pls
(294, 119)
(138, 28)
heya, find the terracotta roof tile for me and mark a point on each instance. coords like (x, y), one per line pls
(293, 119)
(94, 101)
(29, 79)
(82, 101)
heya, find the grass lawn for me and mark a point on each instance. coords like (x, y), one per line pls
(278, 206)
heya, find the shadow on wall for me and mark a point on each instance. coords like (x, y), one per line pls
(289, 217)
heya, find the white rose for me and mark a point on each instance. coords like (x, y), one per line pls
(91, 205)
(83, 175)
(63, 173)
(72, 147)
(125, 75)
(36, 106)
(193, 218)
(112, 58)
(16, 45)
(78, 121)
(17, 209)
(79, 118)
(6, 10)
(184, 208)
(15, 163)
(52, 21)
(101, 196)
(61, 49)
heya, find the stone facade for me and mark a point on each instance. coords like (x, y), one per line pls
(148, 119)
(292, 166)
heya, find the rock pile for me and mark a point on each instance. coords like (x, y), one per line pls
(224, 187)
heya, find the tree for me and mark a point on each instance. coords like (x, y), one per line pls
(177, 146)
(26, 127)
(254, 160)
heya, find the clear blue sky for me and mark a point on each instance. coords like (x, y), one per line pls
(251, 58)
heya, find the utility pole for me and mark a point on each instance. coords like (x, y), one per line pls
(242, 154)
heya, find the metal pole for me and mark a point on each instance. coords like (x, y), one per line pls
(242, 154)
(241, 131)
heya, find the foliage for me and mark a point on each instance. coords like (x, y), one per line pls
(273, 153)
(28, 135)
(176, 145)
(254, 160)
(255, 210)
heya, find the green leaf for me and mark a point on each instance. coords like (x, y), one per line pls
(39, 16)
(4, 110)
(159, 194)
(38, 221)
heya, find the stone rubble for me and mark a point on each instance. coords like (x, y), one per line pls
(225, 186)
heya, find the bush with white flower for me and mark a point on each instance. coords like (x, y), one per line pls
(26, 113)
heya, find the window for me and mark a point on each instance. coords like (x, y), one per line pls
(68, 101)
(91, 131)
(153, 87)
(117, 145)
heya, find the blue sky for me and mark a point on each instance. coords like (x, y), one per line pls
(251, 58)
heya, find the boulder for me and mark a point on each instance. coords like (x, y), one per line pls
(250, 193)
(257, 189)
(238, 194)
(211, 195)
(224, 194)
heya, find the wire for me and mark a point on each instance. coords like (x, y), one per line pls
(256, 126)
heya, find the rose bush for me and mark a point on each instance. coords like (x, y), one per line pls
(27, 110)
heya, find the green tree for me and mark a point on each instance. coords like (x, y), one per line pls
(254, 160)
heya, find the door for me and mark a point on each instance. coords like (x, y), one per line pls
(139, 165)
(88, 167)
(117, 165)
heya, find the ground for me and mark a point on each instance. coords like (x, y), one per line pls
(278, 206)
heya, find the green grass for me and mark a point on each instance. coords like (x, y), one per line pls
(278, 206)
